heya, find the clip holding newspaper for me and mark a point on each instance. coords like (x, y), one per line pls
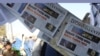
(80, 39)
(45, 16)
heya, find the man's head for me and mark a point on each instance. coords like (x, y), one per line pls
(22, 35)
(30, 37)
(8, 45)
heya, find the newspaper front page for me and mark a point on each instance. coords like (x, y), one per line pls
(58, 34)
(45, 16)
(80, 36)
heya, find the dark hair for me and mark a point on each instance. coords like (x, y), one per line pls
(30, 37)
(7, 43)
(22, 35)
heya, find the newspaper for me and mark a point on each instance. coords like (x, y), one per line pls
(7, 14)
(44, 37)
(18, 7)
(2, 18)
(58, 34)
(45, 16)
(80, 36)
(76, 35)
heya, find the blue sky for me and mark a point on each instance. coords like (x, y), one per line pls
(78, 9)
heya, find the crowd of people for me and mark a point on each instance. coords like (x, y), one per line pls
(6, 47)
(18, 47)
(25, 47)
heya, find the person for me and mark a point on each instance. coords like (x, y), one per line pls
(8, 50)
(22, 36)
(29, 46)
(17, 46)
(1, 49)
(22, 48)
(30, 43)
(5, 39)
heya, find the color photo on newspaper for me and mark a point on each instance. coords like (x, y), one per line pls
(85, 34)
(29, 19)
(67, 44)
(47, 10)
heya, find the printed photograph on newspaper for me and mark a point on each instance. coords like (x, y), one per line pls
(67, 44)
(85, 34)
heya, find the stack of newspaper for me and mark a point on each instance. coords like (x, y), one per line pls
(59, 28)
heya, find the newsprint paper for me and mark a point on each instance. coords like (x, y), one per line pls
(5, 15)
(45, 16)
(2, 18)
(80, 39)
